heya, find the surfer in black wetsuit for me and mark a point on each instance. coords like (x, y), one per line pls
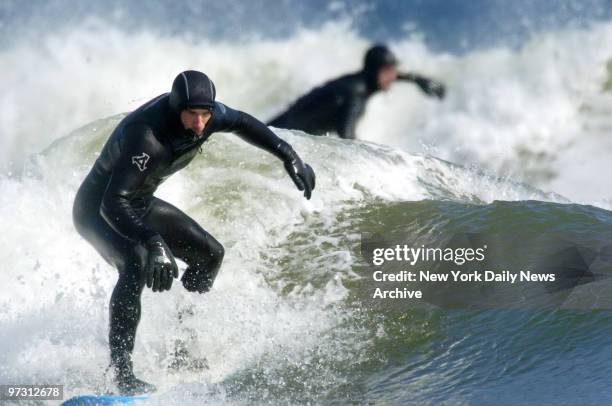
(337, 105)
(139, 234)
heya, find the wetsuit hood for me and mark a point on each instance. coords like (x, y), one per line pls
(375, 58)
(192, 89)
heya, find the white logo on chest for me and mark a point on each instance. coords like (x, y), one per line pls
(141, 161)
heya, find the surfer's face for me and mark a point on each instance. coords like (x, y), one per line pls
(195, 119)
(386, 76)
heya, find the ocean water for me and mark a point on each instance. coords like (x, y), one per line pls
(521, 144)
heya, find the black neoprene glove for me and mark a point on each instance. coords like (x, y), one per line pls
(197, 280)
(161, 268)
(431, 87)
(302, 175)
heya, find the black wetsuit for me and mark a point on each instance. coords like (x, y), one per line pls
(334, 107)
(116, 212)
(338, 105)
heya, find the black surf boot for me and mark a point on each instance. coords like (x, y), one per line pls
(126, 381)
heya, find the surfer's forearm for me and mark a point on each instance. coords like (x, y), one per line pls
(407, 76)
(258, 134)
(427, 85)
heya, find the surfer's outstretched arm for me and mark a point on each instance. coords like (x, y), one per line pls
(256, 133)
(427, 85)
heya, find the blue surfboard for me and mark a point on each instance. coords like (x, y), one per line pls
(101, 400)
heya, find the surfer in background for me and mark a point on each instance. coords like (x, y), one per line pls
(339, 104)
(139, 234)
